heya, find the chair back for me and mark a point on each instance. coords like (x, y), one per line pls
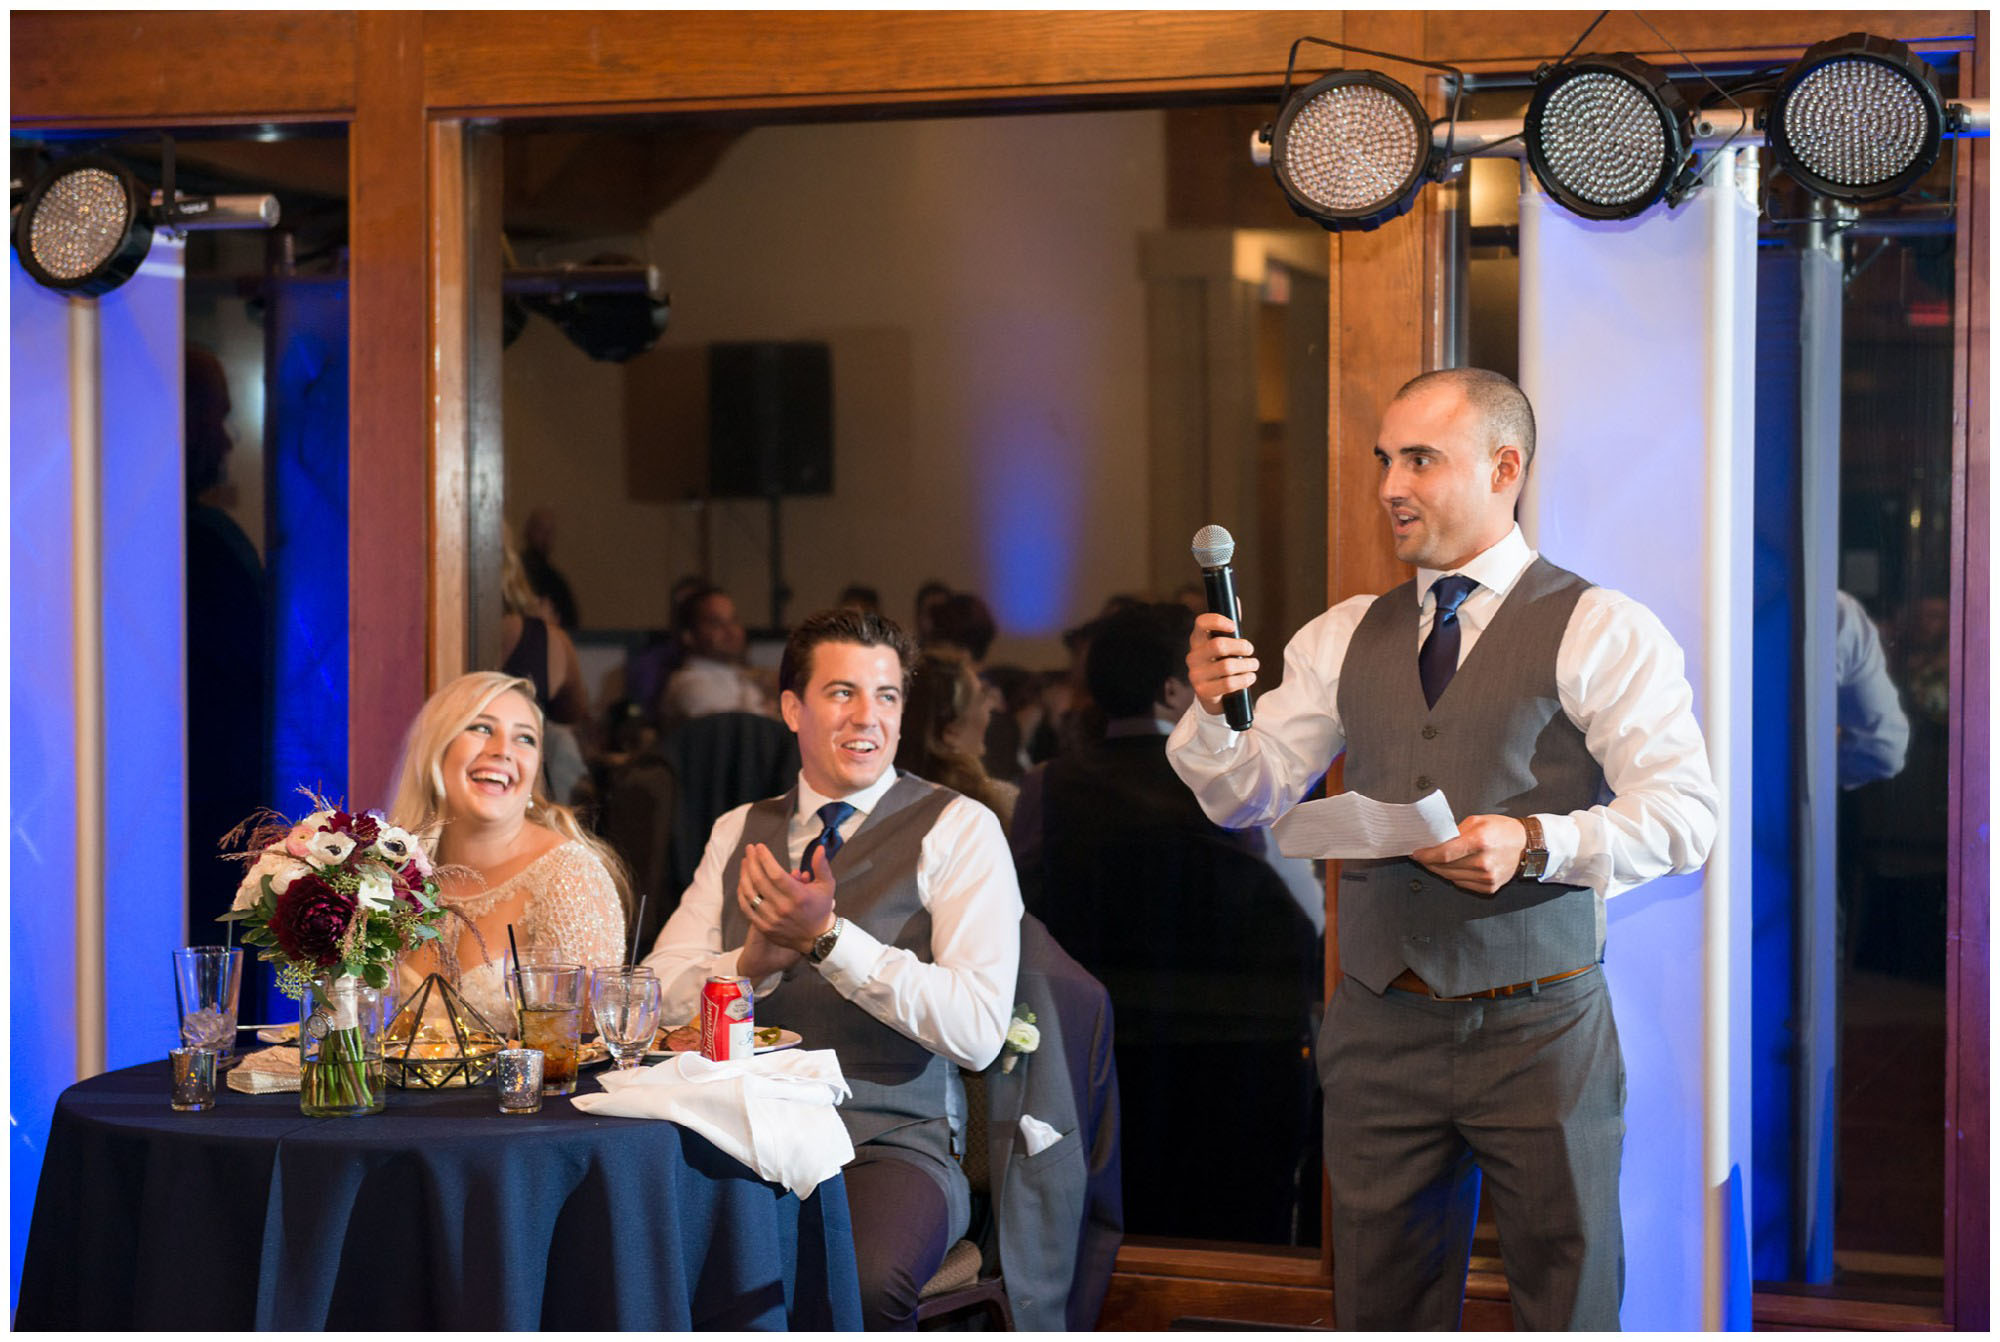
(721, 761)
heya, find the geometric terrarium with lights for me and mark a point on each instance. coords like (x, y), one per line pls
(437, 1039)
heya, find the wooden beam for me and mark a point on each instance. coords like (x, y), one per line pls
(165, 67)
(451, 402)
(1496, 37)
(1968, 962)
(389, 411)
(522, 58)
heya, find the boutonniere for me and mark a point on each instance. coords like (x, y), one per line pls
(1022, 1037)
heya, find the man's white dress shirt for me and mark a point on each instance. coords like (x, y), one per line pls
(959, 1004)
(1621, 679)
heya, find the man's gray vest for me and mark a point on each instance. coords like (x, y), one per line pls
(901, 1089)
(1497, 743)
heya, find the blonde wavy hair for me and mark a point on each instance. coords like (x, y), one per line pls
(419, 793)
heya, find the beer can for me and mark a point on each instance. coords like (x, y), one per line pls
(728, 1023)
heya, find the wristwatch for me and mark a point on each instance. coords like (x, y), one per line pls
(1535, 857)
(823, 946)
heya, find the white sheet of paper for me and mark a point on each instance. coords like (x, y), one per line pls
(1351, 825)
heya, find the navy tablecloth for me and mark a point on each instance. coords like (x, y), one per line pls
(436, 1213)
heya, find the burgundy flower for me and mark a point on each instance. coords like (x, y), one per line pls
(409, 881)
(309, 921)
(363, 828)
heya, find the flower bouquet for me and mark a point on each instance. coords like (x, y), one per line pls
(332, 900)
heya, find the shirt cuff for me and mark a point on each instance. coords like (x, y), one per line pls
(727, 966)
(852, 959)
(1212, 731)
(1560, 833)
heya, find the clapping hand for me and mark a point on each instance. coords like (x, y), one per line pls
(787, 910)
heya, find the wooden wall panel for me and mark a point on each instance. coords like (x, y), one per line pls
(1500, 36)
(521, 58)
(389, 408)
(1969, 965)
(166, 67)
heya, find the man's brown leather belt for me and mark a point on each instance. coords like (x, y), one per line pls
(1410, 983)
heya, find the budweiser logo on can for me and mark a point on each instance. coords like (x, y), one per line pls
(728, 1024)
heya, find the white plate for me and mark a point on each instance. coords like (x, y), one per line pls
(786, 1039)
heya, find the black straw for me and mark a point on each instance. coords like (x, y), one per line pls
(520, 990)
(638, 922)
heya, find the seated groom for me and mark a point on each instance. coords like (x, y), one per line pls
(877, 915)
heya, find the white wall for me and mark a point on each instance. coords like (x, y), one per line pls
(978, 281)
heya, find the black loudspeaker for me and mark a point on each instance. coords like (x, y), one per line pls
(770, 419)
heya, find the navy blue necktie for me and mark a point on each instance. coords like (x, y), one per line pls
(1437, 660)
(832, 815)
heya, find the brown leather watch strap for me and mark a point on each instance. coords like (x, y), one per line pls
(1534, 857)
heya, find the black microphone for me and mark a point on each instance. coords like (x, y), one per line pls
(1213, 549)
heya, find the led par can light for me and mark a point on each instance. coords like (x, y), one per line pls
(1857, 118)
(1606, 136)
(83, 227)
(1352, 150)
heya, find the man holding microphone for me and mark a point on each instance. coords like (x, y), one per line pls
(1471, 1033)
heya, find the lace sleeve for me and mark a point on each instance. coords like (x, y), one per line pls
(577, 907)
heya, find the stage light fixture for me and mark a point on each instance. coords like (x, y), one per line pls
(83, 227)
(1352, 150)
(1857, 118)
(1606, 136)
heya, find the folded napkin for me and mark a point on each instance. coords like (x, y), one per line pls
(267, 1071)
(773, 1112)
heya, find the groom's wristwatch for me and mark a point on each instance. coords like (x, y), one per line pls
(1535, 857)
(823, 946)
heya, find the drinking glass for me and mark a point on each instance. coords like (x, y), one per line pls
(207, 980)
(627, 1006)
(548, 1003)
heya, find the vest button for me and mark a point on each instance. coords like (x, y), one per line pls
(1423, 782)
(1430, 732)
(1416, 887)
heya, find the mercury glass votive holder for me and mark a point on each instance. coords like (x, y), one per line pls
(193, 1078)
(518, 1074)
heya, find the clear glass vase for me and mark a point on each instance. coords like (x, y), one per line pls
(340, 1049)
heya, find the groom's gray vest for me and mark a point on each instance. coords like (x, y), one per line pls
(901, 1089)
(1497, 743)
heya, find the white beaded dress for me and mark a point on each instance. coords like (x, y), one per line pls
(572, 908)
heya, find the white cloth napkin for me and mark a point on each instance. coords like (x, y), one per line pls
(774, 1112)
(267, 1071)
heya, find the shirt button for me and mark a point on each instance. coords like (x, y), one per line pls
(1416, 887)
(1430, 732)
(1424, 782)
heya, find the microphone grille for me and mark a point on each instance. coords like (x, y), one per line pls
(1213, 546)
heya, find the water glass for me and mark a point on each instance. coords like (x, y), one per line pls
(548, 1003)
(627, 1007)
(193, 1078)
(207, 980)
(518, 1073)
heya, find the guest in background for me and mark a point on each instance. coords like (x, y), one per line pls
(964, 621)
(538, 538)
(944, 731)
(468, 784)
(226, 647)
(713, 678)
(532, 647)
(1136, 670)
(930, 596)
(856, 596)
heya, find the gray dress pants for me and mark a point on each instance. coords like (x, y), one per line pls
(1422, 1097)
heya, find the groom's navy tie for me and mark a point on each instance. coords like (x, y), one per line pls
(1437, 660)
(832, 815)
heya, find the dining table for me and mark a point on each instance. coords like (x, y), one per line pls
(437, 1213)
